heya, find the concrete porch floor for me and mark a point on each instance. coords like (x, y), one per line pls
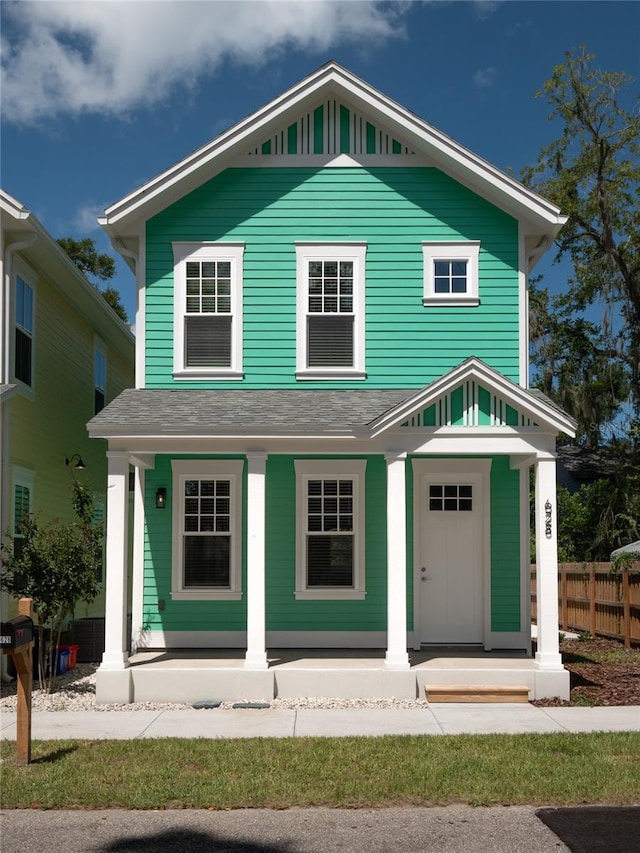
(190, 675)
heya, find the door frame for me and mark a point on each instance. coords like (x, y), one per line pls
(441, 467)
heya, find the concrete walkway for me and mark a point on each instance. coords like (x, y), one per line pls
(437, 719)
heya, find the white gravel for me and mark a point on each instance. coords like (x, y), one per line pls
(76, 689)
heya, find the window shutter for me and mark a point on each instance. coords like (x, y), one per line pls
(330, 341)
(208, 341)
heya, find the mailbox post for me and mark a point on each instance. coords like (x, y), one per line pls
(17, 641)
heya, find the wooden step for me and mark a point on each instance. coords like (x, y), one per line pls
(476, 693)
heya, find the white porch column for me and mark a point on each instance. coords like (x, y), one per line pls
(115, 655)
(548, 653)
(256, 657)
(137, 574)
(396, 657)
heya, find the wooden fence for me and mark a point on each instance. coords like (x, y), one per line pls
(594, 599)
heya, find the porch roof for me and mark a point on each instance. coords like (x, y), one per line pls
(162, 412)
(211, 412)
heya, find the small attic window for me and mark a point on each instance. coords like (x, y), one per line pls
(451, 273)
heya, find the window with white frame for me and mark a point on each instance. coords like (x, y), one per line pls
(23, 360)
(451, 273)
(207, 529)
(331, 309)
(23, 480)
(330, 552)
(99, 378)
(208, 310)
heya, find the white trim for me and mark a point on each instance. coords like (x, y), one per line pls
(183, 469)
(323, 251)
(331, 79)
(477, 471)
(523, 311)
(275, 639)
(115, 656)
(454, 250)
(325, 469)
(141, 311)
(331, 161)
(546, 524)
(207, 251)
(472, 368)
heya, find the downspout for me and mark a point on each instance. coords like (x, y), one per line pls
(5, 408)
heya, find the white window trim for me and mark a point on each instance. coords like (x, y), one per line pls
(327, 469)
(456, 250)
(182, 252)
(29, 277)
(322, 251)
(184, 469)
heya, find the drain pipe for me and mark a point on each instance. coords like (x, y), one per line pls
(5, 408)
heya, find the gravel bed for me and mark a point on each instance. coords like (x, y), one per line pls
(75, 691)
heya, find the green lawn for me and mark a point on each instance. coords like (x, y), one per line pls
(551, 769)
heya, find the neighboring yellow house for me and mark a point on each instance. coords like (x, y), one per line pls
(64, 354)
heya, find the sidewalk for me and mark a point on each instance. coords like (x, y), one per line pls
(437, 719)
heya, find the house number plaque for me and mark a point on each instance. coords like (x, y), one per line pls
(547, 519)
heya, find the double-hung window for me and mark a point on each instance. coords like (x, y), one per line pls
(23, 481)
(23, 363)
(331, 308)
(99, 378)
(330, 529)
(207, 529)
(208, 310)
(451, 273)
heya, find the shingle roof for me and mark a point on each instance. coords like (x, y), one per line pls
(210, 412)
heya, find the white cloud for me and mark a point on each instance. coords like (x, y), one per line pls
(483, 9)
(483, 78)
(86, 218)
(65, 57)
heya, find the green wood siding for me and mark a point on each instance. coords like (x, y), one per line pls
(505, 546)
(179, 615)
(284, 613)
(393, 210)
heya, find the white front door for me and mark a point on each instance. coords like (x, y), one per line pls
(451, 558)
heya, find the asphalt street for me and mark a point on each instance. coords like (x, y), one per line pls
(411, 830)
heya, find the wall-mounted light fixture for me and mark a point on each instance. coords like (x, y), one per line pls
(79, 464)
(161, 497)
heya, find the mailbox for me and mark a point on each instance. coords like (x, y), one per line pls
(15, 633)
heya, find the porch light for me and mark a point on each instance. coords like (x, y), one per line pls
(161, 497)
(79, 464)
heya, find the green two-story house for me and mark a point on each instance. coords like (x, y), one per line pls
(331, 430)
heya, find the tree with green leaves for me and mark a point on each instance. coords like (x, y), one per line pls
(590, 363)
(57, 565)
(94, 264)
(592, 172)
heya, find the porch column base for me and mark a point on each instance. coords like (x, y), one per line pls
(114, 661)
(548, 660)
(551, 683)
(396, 660)
(113, 686)
(256, 661)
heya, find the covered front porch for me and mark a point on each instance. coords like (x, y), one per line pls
(410, 444)
(194, 675)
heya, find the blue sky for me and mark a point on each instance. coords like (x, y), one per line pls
(98, 97)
